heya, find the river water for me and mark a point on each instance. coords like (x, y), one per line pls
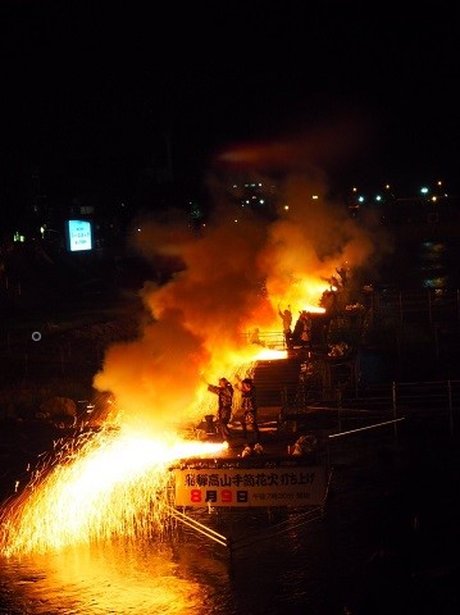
(385, 543)
(416, 264)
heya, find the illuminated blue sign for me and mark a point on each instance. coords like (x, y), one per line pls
(79, 235)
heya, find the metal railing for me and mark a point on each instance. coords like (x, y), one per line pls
(200, 528)
(430, 304)
(432, 401)
(359, 430)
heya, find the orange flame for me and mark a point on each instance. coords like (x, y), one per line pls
(269, 354)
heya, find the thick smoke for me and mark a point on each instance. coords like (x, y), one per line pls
(199, 318)
(234, 273)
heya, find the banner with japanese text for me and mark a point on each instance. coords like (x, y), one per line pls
(292, 486)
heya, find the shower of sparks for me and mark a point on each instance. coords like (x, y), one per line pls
(115, 485)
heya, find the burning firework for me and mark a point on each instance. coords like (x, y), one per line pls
(115, 485)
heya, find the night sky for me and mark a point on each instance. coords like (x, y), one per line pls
(92, 90)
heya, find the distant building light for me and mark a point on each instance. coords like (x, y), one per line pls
(439, 183)
(247, 202)
(355, 189)
(314, 197)
(260, 185)
(286, 207)
(17, 237)
(424, 190)
(434, 198)
(378, 197)
(361, 199)
(387, 186)
(235, 220)
(139, 230)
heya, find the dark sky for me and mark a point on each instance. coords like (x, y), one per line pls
(89, 88)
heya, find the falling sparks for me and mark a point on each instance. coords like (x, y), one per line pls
(114, 486)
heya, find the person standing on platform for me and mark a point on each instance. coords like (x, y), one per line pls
(286, 317)
(224, 391)
(249, 408)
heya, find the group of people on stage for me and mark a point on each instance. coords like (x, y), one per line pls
(225, 391)
(300, 335)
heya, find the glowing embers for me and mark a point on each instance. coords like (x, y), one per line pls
(112, 485)
(270, 354)
(314, 309)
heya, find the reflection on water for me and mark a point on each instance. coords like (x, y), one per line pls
(190, 577)
(424, 264)
(433, 259)
(115, 579)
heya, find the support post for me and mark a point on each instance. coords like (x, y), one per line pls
(451, 411)
(395, 411)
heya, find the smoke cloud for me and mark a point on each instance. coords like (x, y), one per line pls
(234, 273)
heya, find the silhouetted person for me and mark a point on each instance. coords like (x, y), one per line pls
(286, 317)
(224, 391)
(302, 330)
(255, 337)
(249, 409)
(343, 273)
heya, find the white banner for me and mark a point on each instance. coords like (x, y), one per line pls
(290, 486)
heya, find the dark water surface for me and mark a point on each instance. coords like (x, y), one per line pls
(422, 263)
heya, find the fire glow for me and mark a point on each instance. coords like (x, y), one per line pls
(314, 309)
(115, 483)
(270, 354)
(114, 486)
